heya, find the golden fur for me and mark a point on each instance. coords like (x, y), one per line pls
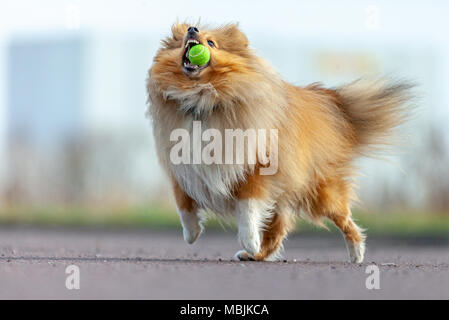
(321, 132)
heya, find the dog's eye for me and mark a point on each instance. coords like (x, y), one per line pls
(211, 43)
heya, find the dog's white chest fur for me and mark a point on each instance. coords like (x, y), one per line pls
(210, 185)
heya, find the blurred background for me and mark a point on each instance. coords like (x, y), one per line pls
(76, 148)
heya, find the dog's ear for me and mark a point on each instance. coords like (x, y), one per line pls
(178, 31)
(232, 32)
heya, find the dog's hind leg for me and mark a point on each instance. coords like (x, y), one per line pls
(273, 235)
(355, 239)
(332, 202)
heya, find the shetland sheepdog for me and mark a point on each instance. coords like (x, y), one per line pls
(320, 132)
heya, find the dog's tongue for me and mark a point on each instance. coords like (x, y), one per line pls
(188, 64)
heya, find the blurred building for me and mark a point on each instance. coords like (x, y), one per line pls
(2, 120)
(76, 129)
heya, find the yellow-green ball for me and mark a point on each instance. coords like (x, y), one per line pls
(199, 55)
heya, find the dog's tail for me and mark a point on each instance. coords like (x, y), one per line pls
(375, 108)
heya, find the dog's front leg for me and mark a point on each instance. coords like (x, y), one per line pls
(252, 215)
(188, 213)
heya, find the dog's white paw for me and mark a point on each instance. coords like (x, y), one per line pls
(250, 240)
(242, 255)
(192, 233)
(356, 251)
(191, 226)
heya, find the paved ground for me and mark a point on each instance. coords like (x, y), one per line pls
(148, 264)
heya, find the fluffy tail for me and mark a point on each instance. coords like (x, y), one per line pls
(375, 108)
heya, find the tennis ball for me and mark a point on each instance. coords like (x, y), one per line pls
(199, 55)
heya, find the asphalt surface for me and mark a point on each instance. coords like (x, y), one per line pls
(146, 264)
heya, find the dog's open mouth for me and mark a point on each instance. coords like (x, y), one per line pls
(189, 68)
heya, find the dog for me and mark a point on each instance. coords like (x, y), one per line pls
(320, 132)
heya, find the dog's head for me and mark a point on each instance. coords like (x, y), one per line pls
(233, 76)
(228, 48)
(232, 67)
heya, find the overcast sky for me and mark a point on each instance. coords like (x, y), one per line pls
(286, 16)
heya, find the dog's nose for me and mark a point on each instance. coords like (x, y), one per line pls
(193, 30)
